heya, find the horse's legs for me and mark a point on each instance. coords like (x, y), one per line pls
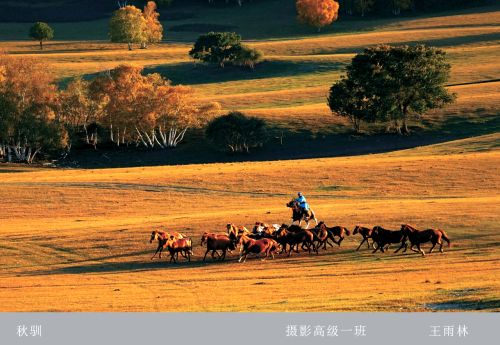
(413, 249)
(441, 246)
(340, 240)
(223, 255)
(157, 249)
(432, 248)
(378, 247)
(420, 249)
(400, 247)
(206, 254)
(364, 239)
(189, 256)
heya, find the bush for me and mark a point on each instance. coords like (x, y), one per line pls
(237, 133)
(224, 47)
(247, 57)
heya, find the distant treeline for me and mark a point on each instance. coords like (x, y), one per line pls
(83, 10)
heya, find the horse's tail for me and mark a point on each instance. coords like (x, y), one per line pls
(445, 237)
(313, 215)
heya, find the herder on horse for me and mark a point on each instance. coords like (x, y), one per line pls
(301, 210)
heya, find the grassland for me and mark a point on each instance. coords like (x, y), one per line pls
(77, 239)
(290, 87)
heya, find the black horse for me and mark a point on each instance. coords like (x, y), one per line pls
(300, 214)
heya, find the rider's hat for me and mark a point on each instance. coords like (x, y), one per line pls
(299, 193)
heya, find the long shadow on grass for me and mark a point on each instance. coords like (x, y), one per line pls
(440, 42)
(188, 73)
(300, 144)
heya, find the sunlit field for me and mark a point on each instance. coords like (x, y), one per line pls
(78, 239)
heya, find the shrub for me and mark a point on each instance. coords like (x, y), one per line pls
(237, 133)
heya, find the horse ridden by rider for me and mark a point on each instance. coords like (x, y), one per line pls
(301, 210)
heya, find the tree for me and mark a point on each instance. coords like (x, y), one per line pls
(28, 104)
(146, 109)
(400, 82)
(317, 13)
(41, 32)
(347, 98)
(80, 110)
(398, 5)
(363, 6)
(247, 57)
(128, 25)
(216, 47)
(178, 110)
(236, 132)
(153, 28)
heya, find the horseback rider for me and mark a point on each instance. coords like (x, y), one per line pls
(301, 200)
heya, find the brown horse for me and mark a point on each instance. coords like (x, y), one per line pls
(299, 215)
(250, 246)
(235, 231)
(385, 237)
(339, 231)
(366, 233)
(217, 242)
(176, 246)
(417, 237)
(305, 238)
(162, 237)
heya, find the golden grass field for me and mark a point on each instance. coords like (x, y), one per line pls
(78, 240)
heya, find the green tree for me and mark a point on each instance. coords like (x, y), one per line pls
(402, 82)
(347, 98)
(128, 25)
(237, 133)
(41, 32)
(216, 47)
(247, 57)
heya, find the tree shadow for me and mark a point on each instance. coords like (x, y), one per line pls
(439, 42)
(190, 73)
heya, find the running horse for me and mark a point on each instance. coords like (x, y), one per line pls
(299, 215)
(162, 237)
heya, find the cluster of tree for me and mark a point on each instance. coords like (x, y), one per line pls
(317, 13)
(28, 110)
(144, 110)
(121, 106)
(131, 25)
(392, 84)
(237, 133)
(224, 47)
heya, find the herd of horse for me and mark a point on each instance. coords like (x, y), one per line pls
(266, 240)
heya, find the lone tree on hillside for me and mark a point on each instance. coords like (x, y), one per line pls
(317, 13)
(128, 25)
(237, 133)
(41, 32)
(216, 47)
(394, 84)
